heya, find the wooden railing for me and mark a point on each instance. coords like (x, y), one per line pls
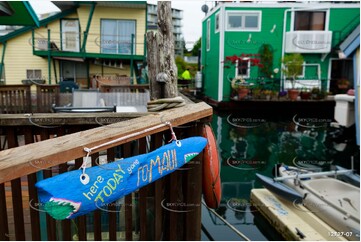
(44, 145)
(124, 88)
(47, 95)
(19, 99)
(15, 99)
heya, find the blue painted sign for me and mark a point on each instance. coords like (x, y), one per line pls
(65, 196)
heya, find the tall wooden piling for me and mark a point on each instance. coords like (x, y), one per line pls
(162, 70)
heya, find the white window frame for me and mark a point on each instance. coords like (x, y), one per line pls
(118, 37)
(244, 14)
(216, 30)
(208, 40)
(33, 76)
(248, 69)
(327, 19)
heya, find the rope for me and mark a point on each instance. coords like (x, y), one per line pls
(84, 178)
(165, 103)
(239, 233)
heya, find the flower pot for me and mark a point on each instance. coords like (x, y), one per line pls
(293, 94)
(242, 93)
(342, 86)
(305, 95)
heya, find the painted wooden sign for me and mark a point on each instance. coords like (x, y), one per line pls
(65, 196)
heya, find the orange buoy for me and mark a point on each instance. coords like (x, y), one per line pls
(211, 181)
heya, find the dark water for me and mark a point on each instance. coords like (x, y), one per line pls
(251, 143)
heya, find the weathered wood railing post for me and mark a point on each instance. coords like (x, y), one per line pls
(162, 70)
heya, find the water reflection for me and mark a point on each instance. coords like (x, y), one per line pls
(252, 143)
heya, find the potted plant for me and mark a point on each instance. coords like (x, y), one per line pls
(274, 95)
(267, 94)
(282, 95)
(256, 93)
(240, 85)
(343, 84)
(317, 94)
(292, 67)
(305, 94)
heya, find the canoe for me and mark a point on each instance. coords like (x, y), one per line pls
(335, 202)
(351, 178)
(280, 189)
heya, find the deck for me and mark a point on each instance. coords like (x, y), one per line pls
(46, 144)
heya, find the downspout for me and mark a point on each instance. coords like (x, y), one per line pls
(86, 32)
(146, 30)
(356, 74)
(55, 74)
(131, 60)
(33, 40)
(283, 44)
(221, 52)
(49, 57)
(2, 59)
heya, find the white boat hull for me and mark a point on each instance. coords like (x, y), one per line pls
(335, 202)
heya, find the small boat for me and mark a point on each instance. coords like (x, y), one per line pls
(280, 189)
(335, 202)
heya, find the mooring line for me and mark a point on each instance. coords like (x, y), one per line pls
(239, 233)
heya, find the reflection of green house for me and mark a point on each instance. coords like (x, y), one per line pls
(314, 30)
(84, 39)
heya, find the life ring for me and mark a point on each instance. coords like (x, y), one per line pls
(211, 181)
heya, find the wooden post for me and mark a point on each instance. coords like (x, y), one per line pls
(160, 56)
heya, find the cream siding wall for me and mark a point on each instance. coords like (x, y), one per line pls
(111, 13)
(19, 58)
(19, 53)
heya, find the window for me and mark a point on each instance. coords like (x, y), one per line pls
(208, 34)
(243, 68)
(116, 36)
(243, 21)
(70, 35)
(217, 23)
(33, 74)
(310, 20)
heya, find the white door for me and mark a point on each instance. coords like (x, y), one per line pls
(70, 35)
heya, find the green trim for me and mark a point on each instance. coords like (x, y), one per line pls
(19, 13)
(87, 73)
(33, 39)
(55, 73)
(145, 35)
(43, 22)
(88, 27)
(2, 60)
(132, 60)
(49, 57)
(44, 53)
(32, 13)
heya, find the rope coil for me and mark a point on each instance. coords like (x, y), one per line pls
(165, 103)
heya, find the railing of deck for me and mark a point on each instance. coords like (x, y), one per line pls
(43, 145)
(20, 99)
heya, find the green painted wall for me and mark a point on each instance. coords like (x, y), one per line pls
(236, 43)
(210, 59)
(342, 22)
